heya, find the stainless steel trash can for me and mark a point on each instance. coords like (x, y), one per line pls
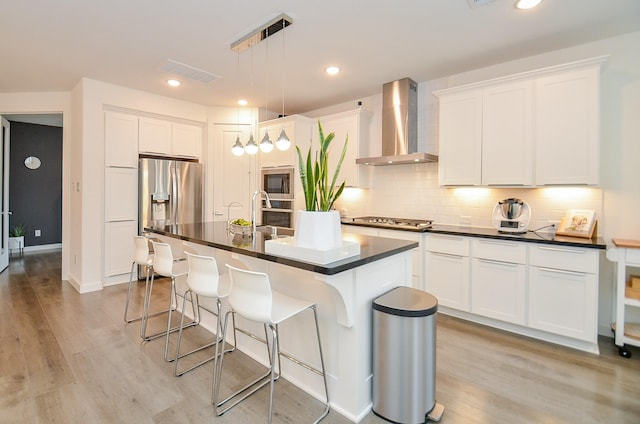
(404, 356)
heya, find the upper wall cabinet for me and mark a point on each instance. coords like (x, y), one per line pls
(486, 136)
(355, 125)
(507, 138)
(169, 138)
(531, 129)
(460, 150)
(567, 127)
(121, 140)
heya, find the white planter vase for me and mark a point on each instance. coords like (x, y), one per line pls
(318, 230)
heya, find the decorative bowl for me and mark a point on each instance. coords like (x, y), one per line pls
(240, 229)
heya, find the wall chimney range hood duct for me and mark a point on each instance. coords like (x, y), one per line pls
(399, 126)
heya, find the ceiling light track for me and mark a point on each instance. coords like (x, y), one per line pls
(261, 33)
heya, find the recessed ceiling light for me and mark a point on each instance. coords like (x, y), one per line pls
(243, 102)
(173, 82)
(332, 70)
(527, 4)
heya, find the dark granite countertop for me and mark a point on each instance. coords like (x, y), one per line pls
(530, 236)
(215, 234)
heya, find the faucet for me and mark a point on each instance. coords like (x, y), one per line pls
(253, 208)
(228, 209)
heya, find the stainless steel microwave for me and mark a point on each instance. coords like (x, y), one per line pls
(278, 182)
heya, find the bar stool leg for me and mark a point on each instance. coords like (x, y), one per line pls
(248, 389)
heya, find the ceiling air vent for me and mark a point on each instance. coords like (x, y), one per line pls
(478, 3)
(188, 71)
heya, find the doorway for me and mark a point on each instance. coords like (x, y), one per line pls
(35, 179)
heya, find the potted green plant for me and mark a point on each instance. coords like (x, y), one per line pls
(16, 237)
(318, 226)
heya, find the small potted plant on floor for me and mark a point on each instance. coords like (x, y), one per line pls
(16, 237)
(318, 227)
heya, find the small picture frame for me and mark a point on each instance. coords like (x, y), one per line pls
(578, 223)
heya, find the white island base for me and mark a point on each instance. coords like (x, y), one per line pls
(345, 314)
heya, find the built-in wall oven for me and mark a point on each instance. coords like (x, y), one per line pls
(278, 182)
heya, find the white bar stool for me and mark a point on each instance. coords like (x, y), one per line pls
(252, 297)
(164, 265)
(203, 279)
(141, 257)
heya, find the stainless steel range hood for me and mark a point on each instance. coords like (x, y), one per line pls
(399, 126)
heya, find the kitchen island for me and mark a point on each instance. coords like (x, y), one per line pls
(343, 291)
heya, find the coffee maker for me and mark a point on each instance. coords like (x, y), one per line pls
(511, 216)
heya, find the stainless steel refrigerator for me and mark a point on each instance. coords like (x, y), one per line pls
(170, 192)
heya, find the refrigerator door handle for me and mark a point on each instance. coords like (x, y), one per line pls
(175, 184)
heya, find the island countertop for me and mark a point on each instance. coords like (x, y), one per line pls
(215, 234)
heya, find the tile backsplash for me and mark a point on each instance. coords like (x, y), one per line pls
(412, 191)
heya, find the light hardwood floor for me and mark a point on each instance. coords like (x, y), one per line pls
(69, 358)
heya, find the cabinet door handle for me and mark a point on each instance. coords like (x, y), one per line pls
(446, 255)
(499, 243)
(555, 249)
(443, 237)
(560, 271)
(489, 261)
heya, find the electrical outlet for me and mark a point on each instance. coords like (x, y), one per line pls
(465, 220)
(554, 223)
(38, 233)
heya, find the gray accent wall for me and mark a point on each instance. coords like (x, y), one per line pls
(35, 196)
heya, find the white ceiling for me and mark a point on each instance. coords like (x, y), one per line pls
(50, 45)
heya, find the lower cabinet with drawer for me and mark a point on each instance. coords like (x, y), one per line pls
(563, 291)
(545, 291)
(498, 280)
(447, 270)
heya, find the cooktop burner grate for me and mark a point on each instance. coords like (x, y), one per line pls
(387, 222)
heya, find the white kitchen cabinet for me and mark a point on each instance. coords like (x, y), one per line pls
(460, 143)
(498, 280)
(491, 132)
(157, 136)
(118, 246)
(234, 177)
(121, 194)
(486, 135)
(121, 140)
(563, 291)
(298, 129)
(186, 140)
(567, 127)
(354, 124)
(446, 270)
(507, 136)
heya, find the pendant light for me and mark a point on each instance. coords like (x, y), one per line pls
(238, 148)
(266, 145)
(251, 147)
(283, 142)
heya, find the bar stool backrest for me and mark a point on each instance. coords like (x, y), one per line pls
(141, 255)
(203, 277)
(250, 294)
(163, 260)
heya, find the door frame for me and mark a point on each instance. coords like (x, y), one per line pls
(5, 139)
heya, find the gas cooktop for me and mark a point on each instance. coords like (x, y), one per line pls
(393, 223)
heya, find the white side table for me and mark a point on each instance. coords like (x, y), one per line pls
(626, 253)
